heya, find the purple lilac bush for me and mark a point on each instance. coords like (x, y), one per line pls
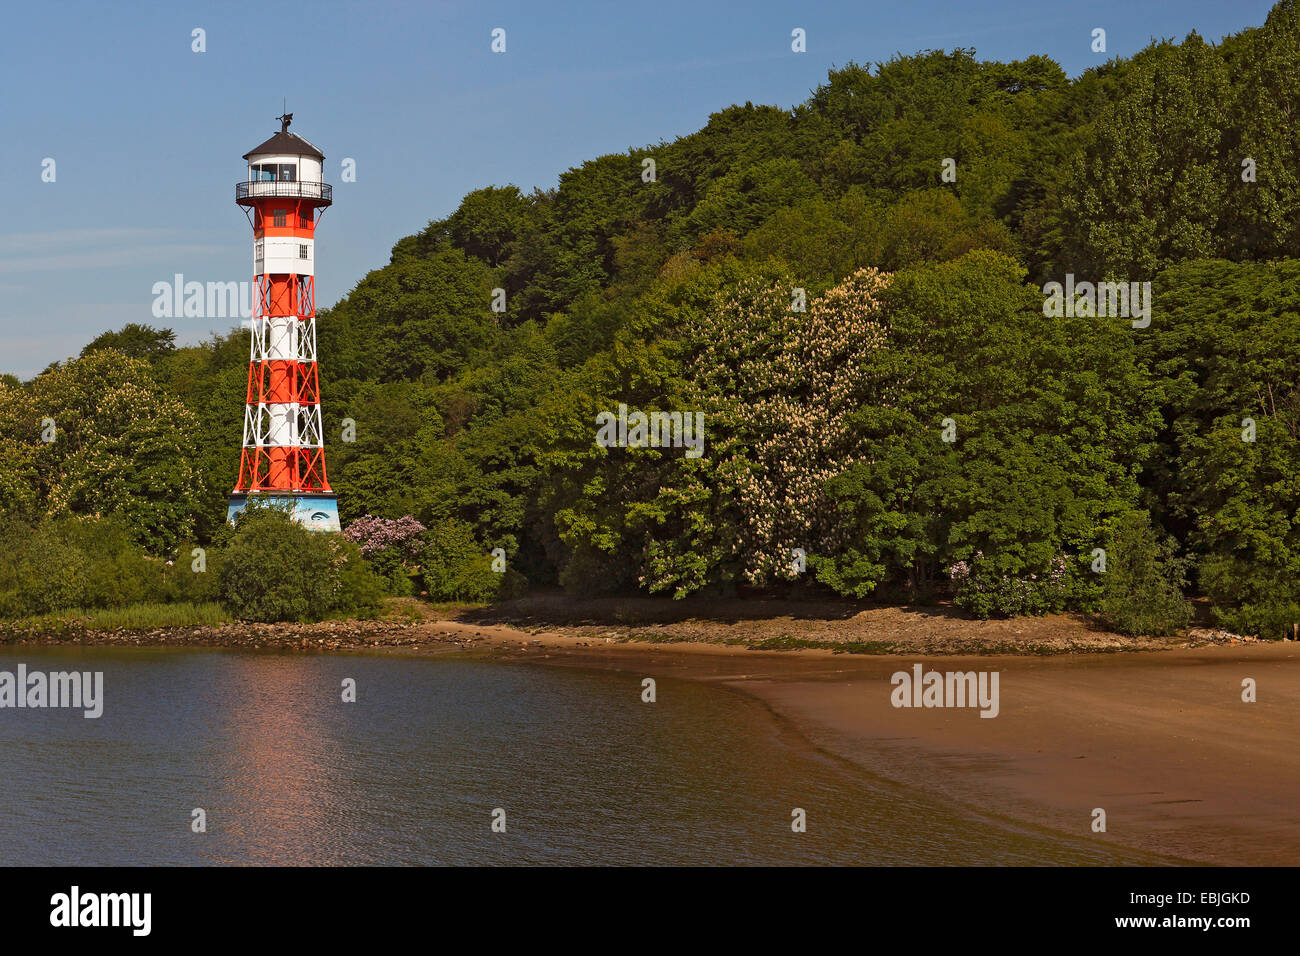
(374, 535)
(987, 594)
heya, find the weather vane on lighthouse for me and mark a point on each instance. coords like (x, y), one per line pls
(283, 456)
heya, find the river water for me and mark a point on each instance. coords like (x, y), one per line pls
(585, 772)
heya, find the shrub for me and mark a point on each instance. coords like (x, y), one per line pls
(456, 568)
(985, 593)
(57, 564)
(357, 589)
(400, 536)
(191, 578)
(1142, 587)
(39, 572)
(391, 547)
(273, 569)
(118, 573)
(1251, 599)
(396, 581)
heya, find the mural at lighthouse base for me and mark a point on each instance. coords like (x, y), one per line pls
(314, 512)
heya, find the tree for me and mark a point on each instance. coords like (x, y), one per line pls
(487, 221)
(1142, 590)
(743, 198)
(422, 317)
(990, 435)
(135, 340)
(1223, 345)
(99, 435)
(1261, 218)
(771, 386)
(1150, 188)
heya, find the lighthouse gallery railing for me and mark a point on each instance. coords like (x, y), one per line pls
(283, 189)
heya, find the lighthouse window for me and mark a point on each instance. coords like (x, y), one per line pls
(277, 217)
(271, 172)
(302, 252)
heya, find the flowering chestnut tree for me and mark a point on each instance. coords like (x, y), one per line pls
(98, 435)
(775, 384)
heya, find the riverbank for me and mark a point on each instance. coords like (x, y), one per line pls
(564, 624)
(1153, 732)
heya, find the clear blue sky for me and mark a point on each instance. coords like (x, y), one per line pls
(147, 135)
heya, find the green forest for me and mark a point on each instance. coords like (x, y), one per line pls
(851, 292)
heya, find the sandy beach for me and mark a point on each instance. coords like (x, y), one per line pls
(1159, 738)
(1162, 742)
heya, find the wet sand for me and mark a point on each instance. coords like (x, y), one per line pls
(1162, 741)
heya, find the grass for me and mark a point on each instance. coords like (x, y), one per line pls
(786, 642)
(135, 616)
(414, 610)
(141, 617)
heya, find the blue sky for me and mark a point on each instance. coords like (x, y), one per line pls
(147, 135)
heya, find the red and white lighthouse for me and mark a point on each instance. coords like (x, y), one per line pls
(284, 443)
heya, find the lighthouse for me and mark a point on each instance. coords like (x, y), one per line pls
(283, 456)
